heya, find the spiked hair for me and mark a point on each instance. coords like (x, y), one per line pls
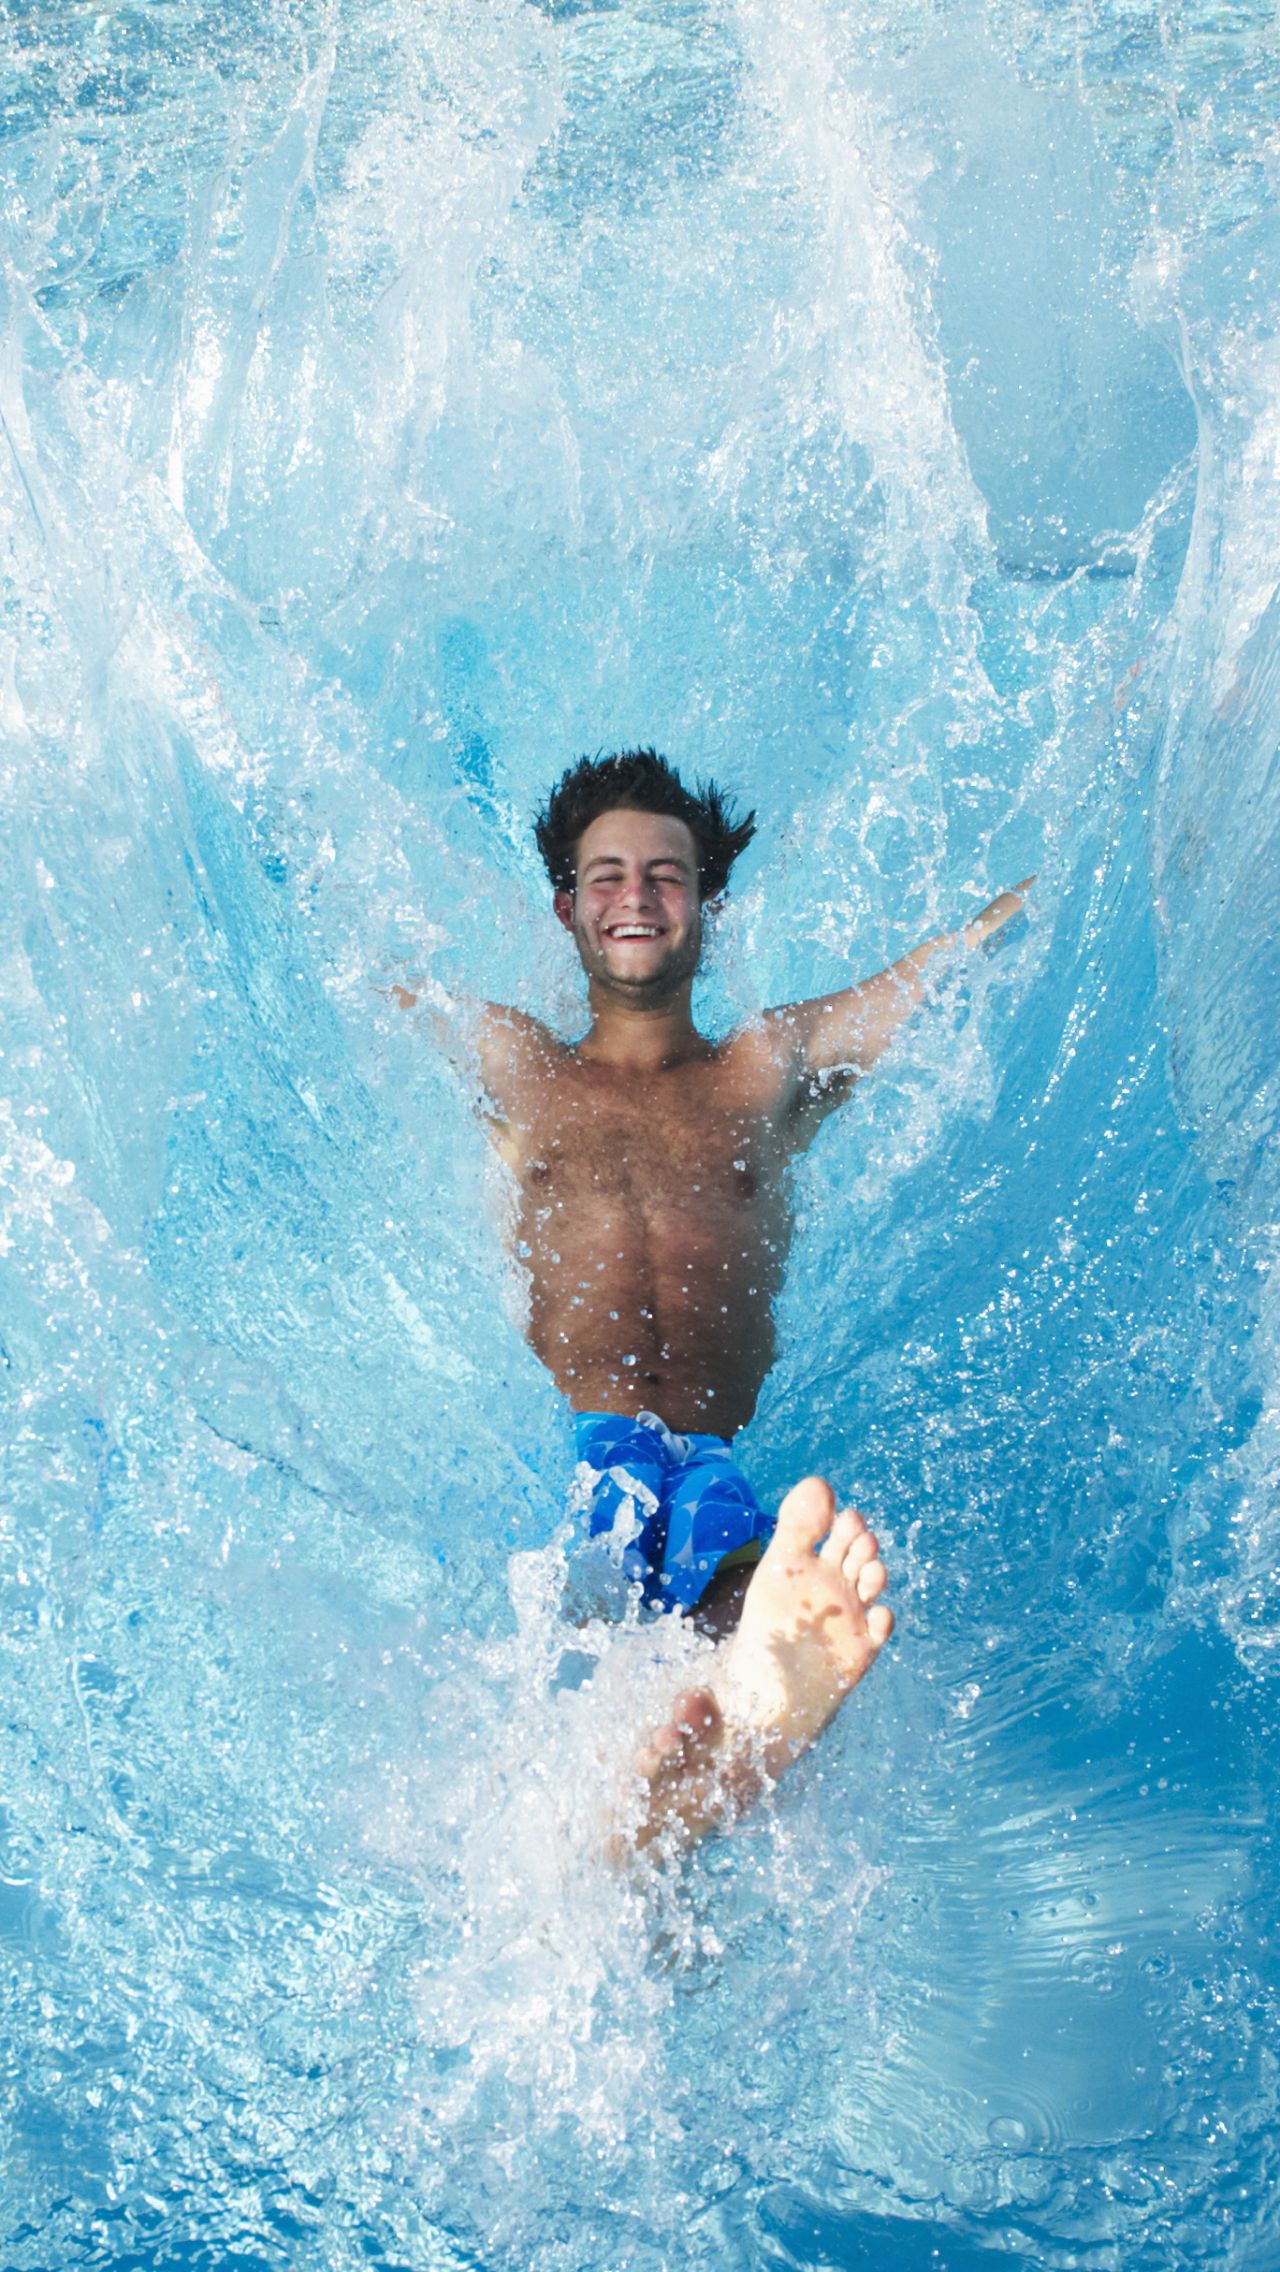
(638, 780)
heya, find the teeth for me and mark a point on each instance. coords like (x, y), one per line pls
(632, 931)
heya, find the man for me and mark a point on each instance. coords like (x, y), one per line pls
(649, 1164)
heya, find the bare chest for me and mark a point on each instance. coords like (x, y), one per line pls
(680, 1140)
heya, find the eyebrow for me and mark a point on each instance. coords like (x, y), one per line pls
(660, 860)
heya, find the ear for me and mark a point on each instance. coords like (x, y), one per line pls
(713, 907)
(562, 902)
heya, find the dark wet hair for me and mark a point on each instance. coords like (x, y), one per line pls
(638, 780)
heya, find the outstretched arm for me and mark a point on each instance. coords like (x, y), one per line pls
(836, 1038)
(428, 1004)
(502, 1045)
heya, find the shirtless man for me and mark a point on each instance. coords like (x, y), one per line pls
(654, 1218)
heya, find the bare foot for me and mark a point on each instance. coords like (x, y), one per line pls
(674, 1775)
(812, 1624)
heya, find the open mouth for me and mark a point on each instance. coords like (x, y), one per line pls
(632, 931)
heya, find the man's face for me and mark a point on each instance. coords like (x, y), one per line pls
(635, 914)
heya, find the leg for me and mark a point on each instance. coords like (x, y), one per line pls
(720, 1608)
(812, 1625)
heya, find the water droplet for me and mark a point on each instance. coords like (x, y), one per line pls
(1006, 2130)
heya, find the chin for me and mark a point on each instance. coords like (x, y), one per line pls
(677, 964)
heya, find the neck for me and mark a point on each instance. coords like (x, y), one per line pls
(642, 1035)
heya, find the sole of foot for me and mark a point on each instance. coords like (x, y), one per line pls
(812, 1626)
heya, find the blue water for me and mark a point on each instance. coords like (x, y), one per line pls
(877, 405)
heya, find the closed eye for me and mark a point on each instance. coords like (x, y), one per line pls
(599, 874)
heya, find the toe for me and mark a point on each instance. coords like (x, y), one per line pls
(663, 1751)
(805, 1515)
(861, 1550)
(682, 1740)
(697, 1714)
(879, 1624)
(840, 1537)
(871, 1581)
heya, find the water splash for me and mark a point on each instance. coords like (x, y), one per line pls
(877, 407)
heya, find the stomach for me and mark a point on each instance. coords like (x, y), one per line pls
(672, 1318)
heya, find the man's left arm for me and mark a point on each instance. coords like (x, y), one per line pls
(836, 1038)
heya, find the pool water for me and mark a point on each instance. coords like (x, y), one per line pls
(879, 407)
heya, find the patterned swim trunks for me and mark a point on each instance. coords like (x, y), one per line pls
(670, 1511)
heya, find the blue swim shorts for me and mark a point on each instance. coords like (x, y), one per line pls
(669, 1510)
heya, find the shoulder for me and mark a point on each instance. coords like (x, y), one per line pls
(498, 1025)
(773, 1060)
(762, 1057)
(513, 1051)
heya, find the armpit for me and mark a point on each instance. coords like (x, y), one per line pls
(821, 1089)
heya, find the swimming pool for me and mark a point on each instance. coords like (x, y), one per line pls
(877, 406)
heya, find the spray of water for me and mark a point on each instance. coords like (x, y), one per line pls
(877, 407)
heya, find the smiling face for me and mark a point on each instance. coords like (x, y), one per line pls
(635, 913)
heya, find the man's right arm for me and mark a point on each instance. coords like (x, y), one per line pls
(500, 1044)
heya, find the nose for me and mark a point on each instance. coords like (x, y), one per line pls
(637, 892)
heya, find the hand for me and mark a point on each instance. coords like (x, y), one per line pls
(403, 989)
(996, 912)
